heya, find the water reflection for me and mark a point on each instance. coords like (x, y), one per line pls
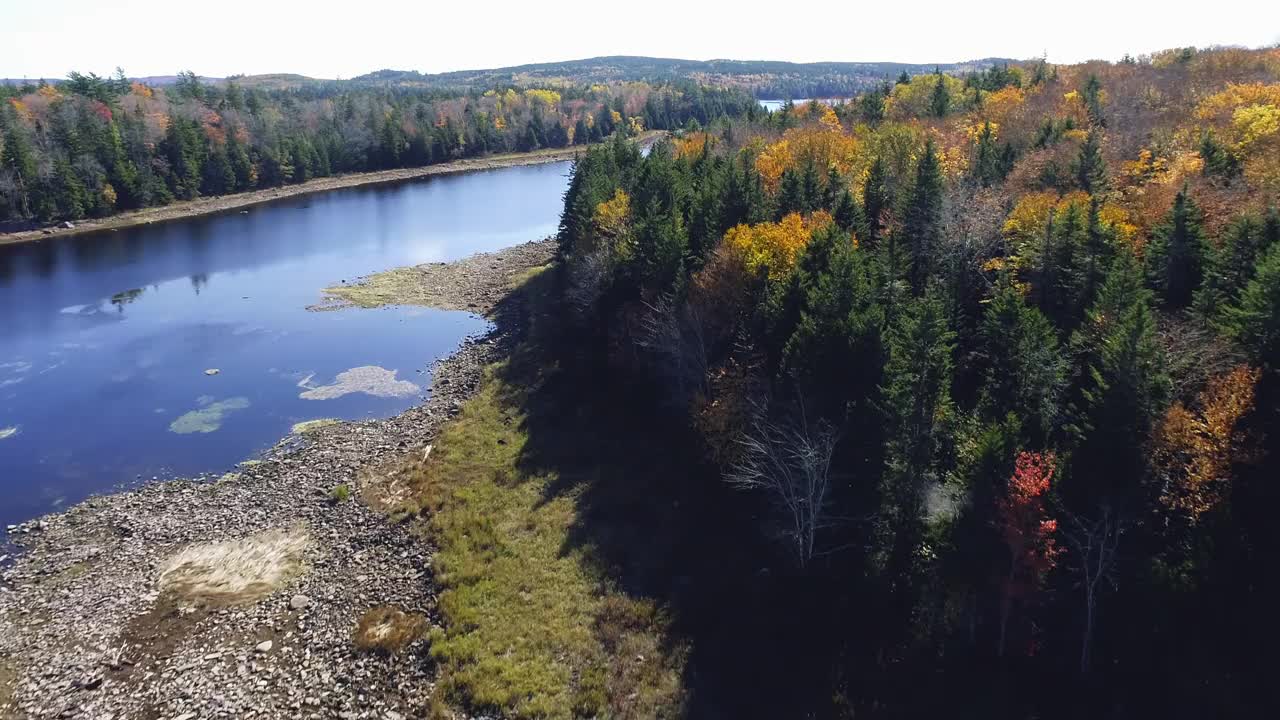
(104, 339)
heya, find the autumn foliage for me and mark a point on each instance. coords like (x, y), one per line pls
(1194, 448)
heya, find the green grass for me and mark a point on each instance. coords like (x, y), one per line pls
(533, 624)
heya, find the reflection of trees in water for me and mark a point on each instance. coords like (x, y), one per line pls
(121, 299)
(198, 281)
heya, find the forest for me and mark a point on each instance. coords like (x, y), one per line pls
(991, 364)
(762, 78)
(91, 146)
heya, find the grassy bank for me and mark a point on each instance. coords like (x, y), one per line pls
(534, 623)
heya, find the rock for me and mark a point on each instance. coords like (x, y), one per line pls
(42, 525)
(68, 224)
(212, 371)
(393, 715)
(300, 602)
(264, 646)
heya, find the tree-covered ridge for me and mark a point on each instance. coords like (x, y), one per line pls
(92, 146)
(764, 78)
(997, 355)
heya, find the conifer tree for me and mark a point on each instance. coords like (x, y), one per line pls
(1024, 371)
(875, 201)
(940, 98)
(1090, 169)
(1256, 321)
(922, 221)
(1120, 387)
(1176, 256)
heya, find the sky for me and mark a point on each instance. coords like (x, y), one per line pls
(48, 38)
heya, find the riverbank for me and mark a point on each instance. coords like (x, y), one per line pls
(293, 587)
(241, 201)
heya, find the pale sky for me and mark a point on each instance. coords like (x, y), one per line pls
(48, 38)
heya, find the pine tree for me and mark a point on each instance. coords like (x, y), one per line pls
(940, 98)
(1256, 321)
(1093, 102)
(1024, 370)
(1229, 267)
(875, 201)
(922, 221)
(1097, 255)
(987, 162)
(834, 352)
(1120, 387)
(17, 158)
(916, 397)
(791, 194)
(1090, 169)
(847, 214)
(1176, 255)
(1218, 160)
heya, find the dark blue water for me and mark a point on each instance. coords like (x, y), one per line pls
(105, 339)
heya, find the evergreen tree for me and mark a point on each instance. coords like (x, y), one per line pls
(940, 98)
(791, 194)
(1176, 255)
(916, 398)
(1218, 160)
(1024, 371)
(1120, 387)
(987, 161)
(834, 352)
(875, 201)
(17, 158)
(922, 219)
(1230, 266)
(1256, 321)
(1090, 169)
(1093, 102)
(848, 215)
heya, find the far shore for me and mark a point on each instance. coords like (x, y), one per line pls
(238, 201)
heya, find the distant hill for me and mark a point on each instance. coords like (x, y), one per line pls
(765, 78)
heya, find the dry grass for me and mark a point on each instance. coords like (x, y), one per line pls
(388, 629)
(236, 571)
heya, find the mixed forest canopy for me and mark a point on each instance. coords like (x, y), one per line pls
(996, 358)
(92, 146)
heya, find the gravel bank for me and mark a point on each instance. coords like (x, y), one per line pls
(88, 629)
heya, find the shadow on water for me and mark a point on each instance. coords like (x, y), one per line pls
(661, 525)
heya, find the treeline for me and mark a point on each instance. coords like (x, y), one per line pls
(998, 358)
(92, 146)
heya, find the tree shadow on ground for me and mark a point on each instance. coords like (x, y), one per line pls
(661, 525)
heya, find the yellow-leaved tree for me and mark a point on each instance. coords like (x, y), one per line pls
(772, 248)
(1195, 447)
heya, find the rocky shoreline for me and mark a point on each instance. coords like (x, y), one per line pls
(93, 626)
(241, 201)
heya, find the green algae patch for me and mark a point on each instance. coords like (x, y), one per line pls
(401, 286)
(367, 379)
(208, 418)
(307, 426)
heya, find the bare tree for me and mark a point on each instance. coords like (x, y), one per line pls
(790, 461)
(1094, 541)
(586, 280)
(671, 333)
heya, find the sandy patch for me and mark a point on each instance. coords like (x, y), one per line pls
(236, 571)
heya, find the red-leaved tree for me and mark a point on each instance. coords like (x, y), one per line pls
(1028, 531)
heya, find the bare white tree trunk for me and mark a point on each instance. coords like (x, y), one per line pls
(1094, 541)
(791, 462)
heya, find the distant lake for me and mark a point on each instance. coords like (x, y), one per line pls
(774, 105)
(105, 339)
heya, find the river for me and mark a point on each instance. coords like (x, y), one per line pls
(184, 348)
